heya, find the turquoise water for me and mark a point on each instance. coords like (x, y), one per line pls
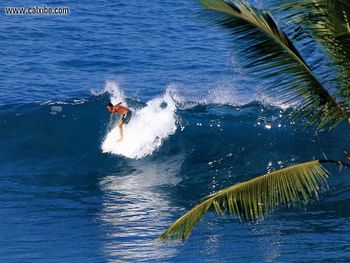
(63, 200)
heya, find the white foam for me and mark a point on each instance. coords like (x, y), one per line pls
(146, 131)
(59, 102)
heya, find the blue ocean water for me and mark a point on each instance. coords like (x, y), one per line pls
(63, 200)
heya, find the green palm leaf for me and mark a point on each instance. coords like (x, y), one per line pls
(328, 21)
(265, 51)
(251, 200)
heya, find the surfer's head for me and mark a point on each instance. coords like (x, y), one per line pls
(109, 106)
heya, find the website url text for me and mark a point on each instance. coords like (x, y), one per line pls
(37, 10)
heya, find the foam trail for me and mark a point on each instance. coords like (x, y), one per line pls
(146, 131)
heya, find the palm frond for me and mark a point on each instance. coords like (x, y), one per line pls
(252, 199)
(265, 51)
(328, 21)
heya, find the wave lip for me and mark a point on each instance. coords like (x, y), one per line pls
(146, 131)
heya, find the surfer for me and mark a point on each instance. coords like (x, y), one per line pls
(125, 116)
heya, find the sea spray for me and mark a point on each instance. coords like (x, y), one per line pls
(115, 92)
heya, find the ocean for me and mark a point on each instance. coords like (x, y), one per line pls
(70, 193)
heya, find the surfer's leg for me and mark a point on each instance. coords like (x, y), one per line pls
(120, 125)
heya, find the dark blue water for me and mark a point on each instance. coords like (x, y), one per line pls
(63, 200)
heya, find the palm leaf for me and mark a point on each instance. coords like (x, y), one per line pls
(265, 51)
(252, 199)
(328, 21)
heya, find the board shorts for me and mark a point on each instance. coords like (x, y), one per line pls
(126, 117)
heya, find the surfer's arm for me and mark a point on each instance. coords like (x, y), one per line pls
(112, 113)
